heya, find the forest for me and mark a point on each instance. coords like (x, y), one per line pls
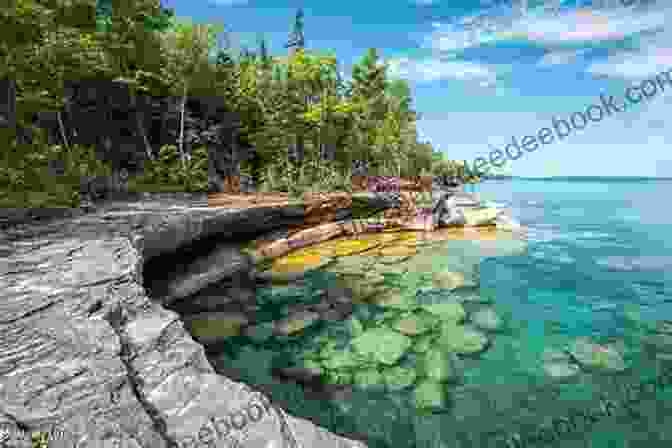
(309, 128)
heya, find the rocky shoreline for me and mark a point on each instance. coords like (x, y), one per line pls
(92, 346)
(86, 351)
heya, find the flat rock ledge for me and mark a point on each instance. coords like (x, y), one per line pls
(85, 353)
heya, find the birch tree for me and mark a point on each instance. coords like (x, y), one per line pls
(187, 47)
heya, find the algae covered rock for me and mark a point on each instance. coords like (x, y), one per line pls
(595, 356)
(430, 395)
(394, 298)
(440, 366)
(340, 359)
(448, 280)
(212, 328)
(424, 342)
(415, 323)
(461, 339)
(447, 311)
(382, 345)
(339, 377)
(295, 323)
(399, 377)
(369, 378)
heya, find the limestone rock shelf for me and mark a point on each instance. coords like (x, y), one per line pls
(83, 349)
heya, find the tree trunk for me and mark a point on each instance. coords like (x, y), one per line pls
(62, 129)
(148, 147)
(181, 139)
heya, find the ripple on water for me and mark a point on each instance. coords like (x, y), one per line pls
(553, 254)
(636, 263)
(542, 234)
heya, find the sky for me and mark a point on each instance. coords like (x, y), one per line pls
(483, 72)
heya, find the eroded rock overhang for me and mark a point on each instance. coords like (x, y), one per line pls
(86, 352)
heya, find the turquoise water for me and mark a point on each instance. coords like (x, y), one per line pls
(598, 265)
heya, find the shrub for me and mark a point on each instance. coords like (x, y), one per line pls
(167, 173)
(28, 180)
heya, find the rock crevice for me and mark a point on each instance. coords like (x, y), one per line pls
(117, 321)
(137, 378)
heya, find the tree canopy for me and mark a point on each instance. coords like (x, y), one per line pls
(299, 97)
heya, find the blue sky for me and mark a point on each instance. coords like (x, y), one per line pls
(483, 71)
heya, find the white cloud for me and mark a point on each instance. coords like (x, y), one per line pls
(587, 27)
(561, 57)
(229, 2)
(653, 57)
(554, 30)
(428, 70)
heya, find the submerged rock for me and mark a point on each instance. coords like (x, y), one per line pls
(448, 280)
(558, 364)
(486, 319)
(394, 298)
(449, 311)
(430, 395)
(369, 379)
(382, 345)
(462, 339)
(213, 328)
(440, 366)
(399, 377)
(260, 333)
(306, 373)
(425, 342)
(295, 323)
(595, 356)
(415, 324)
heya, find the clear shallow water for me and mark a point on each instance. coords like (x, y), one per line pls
(598, 252)
(598, 264)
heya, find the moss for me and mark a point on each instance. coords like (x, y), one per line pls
(40, 440)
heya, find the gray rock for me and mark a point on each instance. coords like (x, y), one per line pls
(453, 216)
(462, 199)
(561, 370)
(225, 261)
(322, 306)
(486, 319)
(507, 223)
(211, 298)
(558, 364)
(372, 202)
(596, 357)
(301, 373)
(83, 348)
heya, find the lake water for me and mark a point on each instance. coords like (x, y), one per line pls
(598, 265)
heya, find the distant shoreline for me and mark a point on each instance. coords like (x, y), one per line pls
(583, 178)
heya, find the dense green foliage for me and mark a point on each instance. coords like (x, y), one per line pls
(299, 101)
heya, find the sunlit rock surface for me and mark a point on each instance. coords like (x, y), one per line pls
(84, 349)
